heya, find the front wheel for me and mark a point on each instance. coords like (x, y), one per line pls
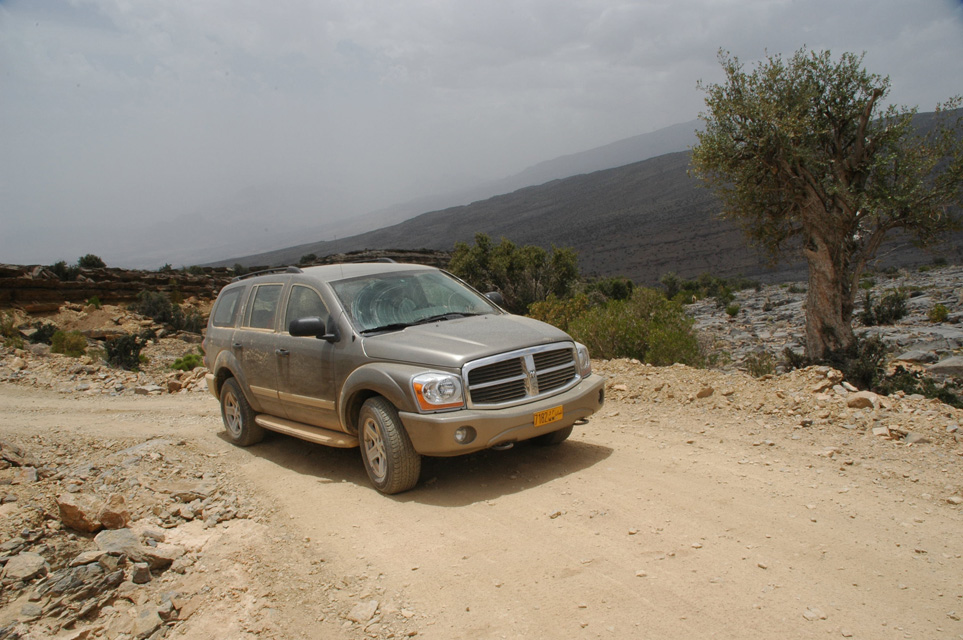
(391, 461)
(238, 416)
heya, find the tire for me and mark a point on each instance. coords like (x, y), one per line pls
(238, 416)
(391, 461)
(553, 438)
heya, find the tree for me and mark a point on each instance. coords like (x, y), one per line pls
(522, 275)
(804, 156)
(90, 261)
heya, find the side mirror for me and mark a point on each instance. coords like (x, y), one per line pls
(496, 297)
(313, 326)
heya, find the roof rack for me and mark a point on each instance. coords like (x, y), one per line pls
(264, 272)
(374, 260)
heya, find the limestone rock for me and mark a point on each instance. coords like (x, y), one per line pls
(80, 511)
(25, 566)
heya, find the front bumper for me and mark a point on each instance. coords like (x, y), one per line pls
(433, 434)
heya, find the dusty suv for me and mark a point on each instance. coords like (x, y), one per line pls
(403, 360)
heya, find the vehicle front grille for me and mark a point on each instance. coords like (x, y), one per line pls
(521, 376)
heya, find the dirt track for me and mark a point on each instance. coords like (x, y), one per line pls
(756, 512)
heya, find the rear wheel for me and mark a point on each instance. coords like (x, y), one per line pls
(238, 416)
(391, 461)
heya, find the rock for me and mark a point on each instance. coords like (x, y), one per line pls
(17, 364)
(163, 555)
(812, 613)
(881, 431)
(917, 356)
(363, 611)
(25, 566)
(26, 475)
(915, 438)
(862, 400)
(140, 573)
(955, 500)
(705, 392)
(120, 542)
(80, 511)
(114, 514)
(146, 621)
(86, 557)
(952, 366)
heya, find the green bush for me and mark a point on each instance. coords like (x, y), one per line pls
(939, 313)
(188, 362)
(890, 309)
(732, 310)
(90, 261)
(64, 272)
(155, 305)
(124, 351)
(94, 302)
(44, 333)
(760, 364)
(647, 327)
(560, 312)
(69, 343)
(916, 382)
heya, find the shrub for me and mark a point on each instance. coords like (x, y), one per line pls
(69, 343)
(44, 333)
(188, 362)
(64, 272)
(94, 302)
(559, 312)
(760, 364)
(647, 327)
(90, 261)
(124, 351)
(732, 310)
(890, 309)
(939, 313)
(612, 288)
(916, 382)
(155, 305)
(307, 258)
(239, 269)
(796, 288)
(190, 321)
(671, 283)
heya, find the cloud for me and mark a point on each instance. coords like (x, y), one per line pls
(119, 114)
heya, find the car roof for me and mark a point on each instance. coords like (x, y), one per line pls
(330, 272)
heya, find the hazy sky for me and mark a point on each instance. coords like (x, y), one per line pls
(117, 115)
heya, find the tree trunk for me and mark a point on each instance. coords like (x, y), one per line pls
(829, 302)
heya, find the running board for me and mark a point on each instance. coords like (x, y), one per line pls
(304, 432)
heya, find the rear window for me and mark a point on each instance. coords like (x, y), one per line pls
(225, 311)
(264, 306)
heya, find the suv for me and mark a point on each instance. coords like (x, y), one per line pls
(403, 360)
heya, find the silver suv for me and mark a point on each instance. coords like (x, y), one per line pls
(403, 360)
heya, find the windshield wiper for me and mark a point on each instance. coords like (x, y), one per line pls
(451, 315)
(395, 326)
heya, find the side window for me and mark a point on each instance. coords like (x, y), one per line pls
(264, 306)
(226, 309)
(304, 302)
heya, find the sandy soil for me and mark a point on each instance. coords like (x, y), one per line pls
(764, 510)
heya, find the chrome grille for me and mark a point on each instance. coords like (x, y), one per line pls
(521, 376)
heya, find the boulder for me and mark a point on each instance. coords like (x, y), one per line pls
(80, 511)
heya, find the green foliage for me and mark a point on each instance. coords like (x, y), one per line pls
(191, 320)
(890, 309)
(44, 333)
(646, 326)
(90, 261)
(154, 305)
(523, 275)
(194, 270)
(560, 312)
(10, 332)
(239, 269)
(911, 382)
(867, 283)
(188, 362)
(69, 343)
(176, 296)
(759, 364)
(611, 288)
(94, 302)
(671, 283)
(732, 310)
(938, 313)
(64, 272)
(124, 351)
(307, 258)
(167, 268)
(803, 154)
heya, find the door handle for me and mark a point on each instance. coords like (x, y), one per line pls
(282, 352)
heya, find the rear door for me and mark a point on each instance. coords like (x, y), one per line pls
(255, 344)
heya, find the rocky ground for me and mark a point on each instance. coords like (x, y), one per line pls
(698, 503)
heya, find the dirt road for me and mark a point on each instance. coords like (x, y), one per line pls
(763, 510)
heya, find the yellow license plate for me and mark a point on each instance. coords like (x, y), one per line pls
(548, 416)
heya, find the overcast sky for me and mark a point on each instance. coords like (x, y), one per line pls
(119, 114)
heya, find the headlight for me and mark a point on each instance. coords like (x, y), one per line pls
(436, 391)
(584, 362)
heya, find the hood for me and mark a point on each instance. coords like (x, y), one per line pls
(451, 343)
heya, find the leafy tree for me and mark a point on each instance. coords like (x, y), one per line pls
(90, 261)
(523, 275)
(803, 155)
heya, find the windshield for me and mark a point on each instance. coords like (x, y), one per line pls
(398, 300)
